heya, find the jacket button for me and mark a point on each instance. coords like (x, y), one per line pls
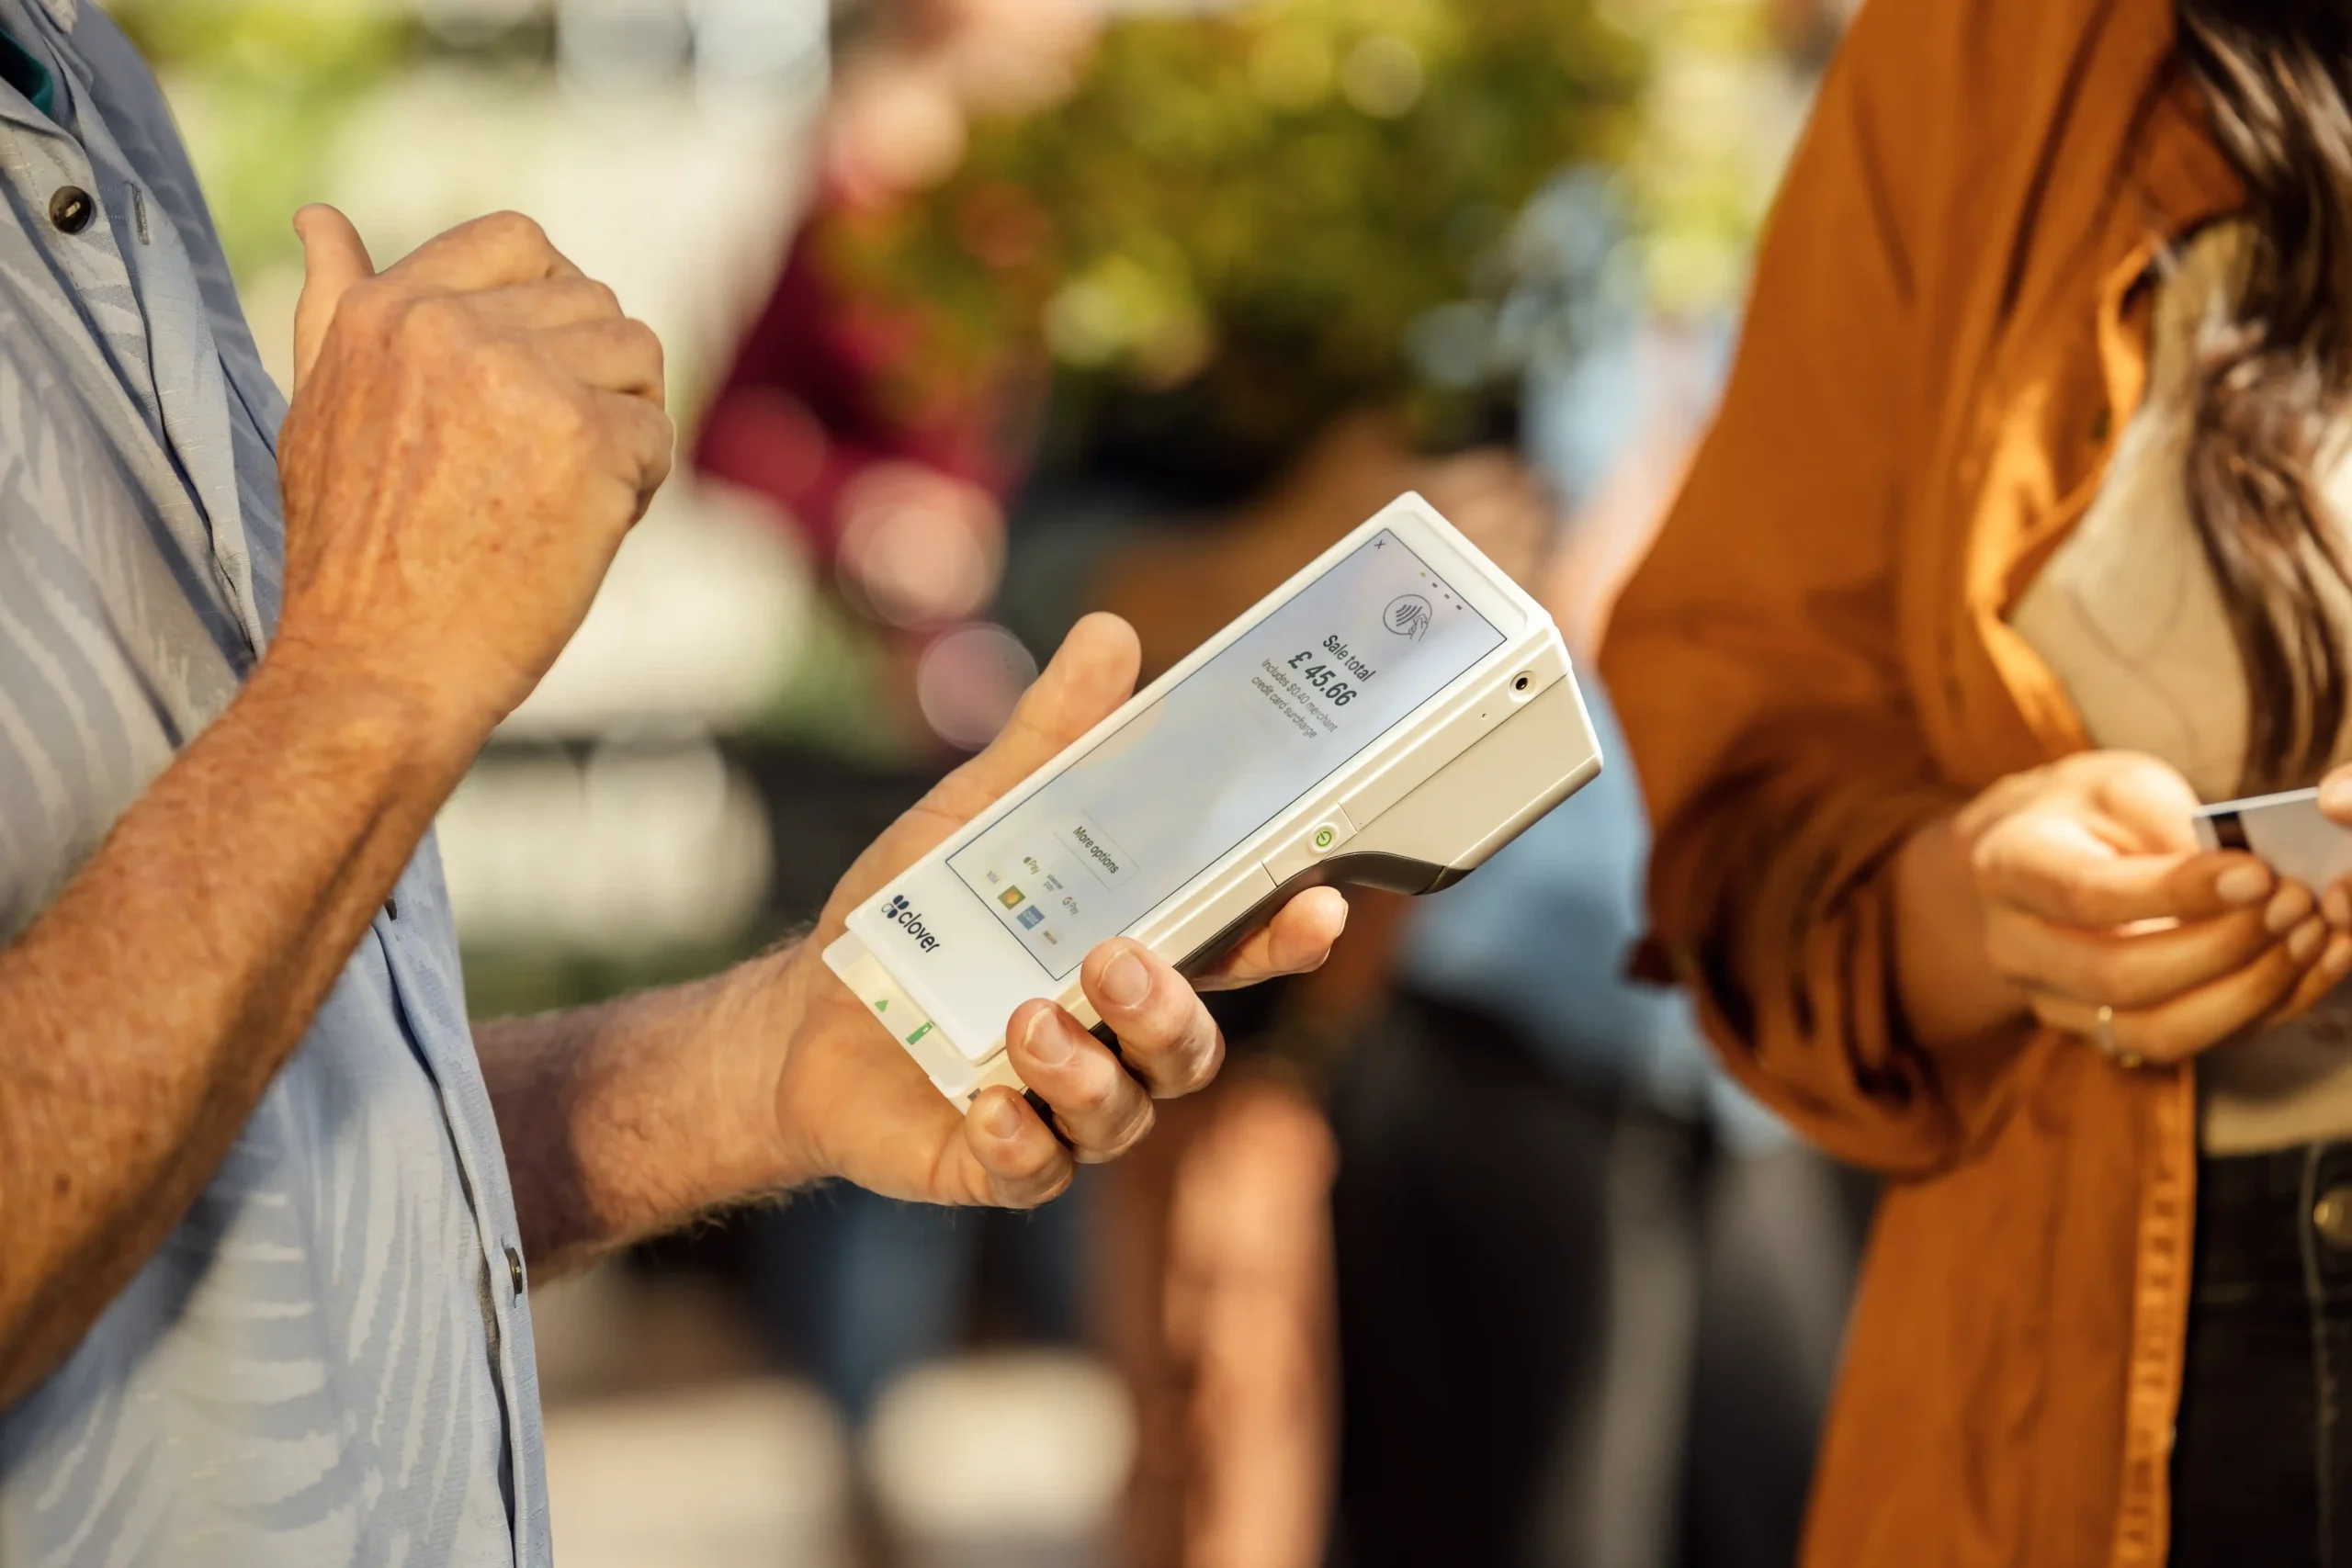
(2332, 1215)
(515, 1269)
(71, 209)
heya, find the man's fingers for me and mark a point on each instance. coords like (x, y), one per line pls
(1098, 1105)
(1298, 939)
(496, 252)
(2049, 865)
(333, 259)
(1092, 673)
(1006, 1157)
(549, 303)
(642, 440)
(1166, 1036)
(2200, 1019)
(621, 356)
(2127, 968)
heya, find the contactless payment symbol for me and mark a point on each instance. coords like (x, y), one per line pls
(1408, 616)
(1010, 898)
(1031, 916)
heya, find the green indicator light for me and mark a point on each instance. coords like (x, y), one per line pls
(918, 1035)
(1323, 839)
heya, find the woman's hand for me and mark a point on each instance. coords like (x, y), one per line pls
(2336, 801)
(2092, 899)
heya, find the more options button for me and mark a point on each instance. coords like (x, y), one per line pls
(1095, 849)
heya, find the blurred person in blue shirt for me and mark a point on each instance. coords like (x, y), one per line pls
(1590, 1293)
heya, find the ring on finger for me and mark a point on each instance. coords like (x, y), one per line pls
(2128, 1059)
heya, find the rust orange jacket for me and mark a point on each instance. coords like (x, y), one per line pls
(1949, 327)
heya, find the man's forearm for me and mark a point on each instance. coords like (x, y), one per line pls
(144, 1014)
(625, 1119)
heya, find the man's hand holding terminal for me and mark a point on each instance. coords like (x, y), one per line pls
(851, 1102)
(445, 557)
(473, 433)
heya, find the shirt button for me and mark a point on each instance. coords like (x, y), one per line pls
(71, 209)
(2332, 1215)
(515, 1269)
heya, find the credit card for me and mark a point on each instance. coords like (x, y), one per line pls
(2286, 831)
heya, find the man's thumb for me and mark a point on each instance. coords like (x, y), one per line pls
(333, 258)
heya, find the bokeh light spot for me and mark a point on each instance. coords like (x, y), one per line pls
(1383, 76)
(969, 680)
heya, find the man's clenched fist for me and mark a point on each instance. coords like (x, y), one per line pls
(473, 431)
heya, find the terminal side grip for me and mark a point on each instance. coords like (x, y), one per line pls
(1390, 874)
(1393, 874)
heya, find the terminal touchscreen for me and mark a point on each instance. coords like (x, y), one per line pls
(1390, 715)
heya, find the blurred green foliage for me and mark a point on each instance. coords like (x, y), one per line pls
(1722, 109)
(1257, 213)
(261, 87)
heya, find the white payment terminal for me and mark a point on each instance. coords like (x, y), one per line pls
(1391, 717)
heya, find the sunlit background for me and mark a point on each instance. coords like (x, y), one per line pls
(744, 709)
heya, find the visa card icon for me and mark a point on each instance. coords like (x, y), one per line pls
(1031, 916)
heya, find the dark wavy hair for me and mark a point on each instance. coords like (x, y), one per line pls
(2274, 371)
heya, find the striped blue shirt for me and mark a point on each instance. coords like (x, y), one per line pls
(330, 1360)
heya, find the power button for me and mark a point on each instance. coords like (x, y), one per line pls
(1325, 836)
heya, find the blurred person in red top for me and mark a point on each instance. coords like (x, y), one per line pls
(901, 512)
(903, 495)
(911, 499)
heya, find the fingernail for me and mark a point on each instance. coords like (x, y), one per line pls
(1000, 1119)
(2243, 884)
(2335, 796)
(2339, 956)
(1125, 981)
(2287, 907)
(1048, 1042)
(2339, 906)
(2306, 941)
